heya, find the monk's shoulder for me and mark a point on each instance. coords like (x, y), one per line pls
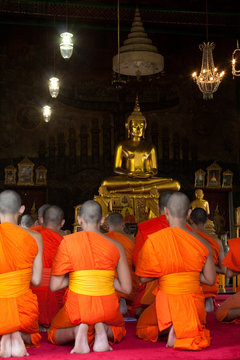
(234, 244)
(114, 242)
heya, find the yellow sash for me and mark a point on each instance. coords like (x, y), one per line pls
(92, 282)
(15, 283)
(180, 283)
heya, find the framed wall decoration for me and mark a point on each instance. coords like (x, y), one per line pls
(10, 175)
(41, 175)
(199, 178)
(214, 175)
(25, 172)
(227, 179)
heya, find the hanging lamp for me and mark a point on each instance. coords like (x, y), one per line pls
(236, 61)
(66, 42)
(138, 57)
(209, 78)
(46, 112)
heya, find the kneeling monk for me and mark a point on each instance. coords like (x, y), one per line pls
(179, 261)
(87, 261)
(20, 264)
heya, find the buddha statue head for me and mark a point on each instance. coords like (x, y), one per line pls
(199, 194)
(136, 123)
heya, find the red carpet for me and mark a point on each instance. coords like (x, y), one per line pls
(225, 345)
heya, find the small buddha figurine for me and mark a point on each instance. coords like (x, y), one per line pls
(136, 162)
(199, 201)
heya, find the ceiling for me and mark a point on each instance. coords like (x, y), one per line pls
(166, 16)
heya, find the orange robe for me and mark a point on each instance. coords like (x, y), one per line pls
(172, 255)
(128, 247)
(211, 291)
(146, 228)
(37, 228)
(232, 262)
(18, 250)
(49, 302)
(87, 250)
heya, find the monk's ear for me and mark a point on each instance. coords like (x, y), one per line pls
(22, 209)
(189, 213)
(166, 212)
(102, 220)
(62, 223)
(80, 221)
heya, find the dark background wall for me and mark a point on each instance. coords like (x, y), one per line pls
(77, 145)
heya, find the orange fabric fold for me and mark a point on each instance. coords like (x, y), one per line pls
(49, 302)
(232, 262)
(37, 228)
(128, 247)
(211, 291)
(144, 229)
(18, 250)
(232, 259)
(87, 250)
(171, 251)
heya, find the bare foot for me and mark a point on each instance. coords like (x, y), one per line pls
(123, 306)
(18, 346)
(101, 339)
(209, 306)
(81, 340)
(171, 337)
(6, 346)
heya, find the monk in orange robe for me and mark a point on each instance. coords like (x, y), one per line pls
(116, 225)
(20, 264)
(87, 261)
(49, 302)
(180, 261)
(40, 218)
(198, 220)
(230, 308)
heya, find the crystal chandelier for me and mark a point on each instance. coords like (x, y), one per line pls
(53, 84)
(209, 78)
(138, 57)
(46, 111)
(66, 45)
(235, 61)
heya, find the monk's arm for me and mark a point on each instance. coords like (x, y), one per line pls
(219, 267)
(208, 274)
(124, 282)
(37, 264)
(146, 279)
(58, 282)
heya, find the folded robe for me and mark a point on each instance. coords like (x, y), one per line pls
(128, 247)
(49, 302)
(232, 262)
(211, 291)
(81, 251)
(18, 250)
(177, 258)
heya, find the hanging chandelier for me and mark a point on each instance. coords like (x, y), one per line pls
(46, 111)
(235, 61)
(138, 57)
(209, 78)
(53, 85)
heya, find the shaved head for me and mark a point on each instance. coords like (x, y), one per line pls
(163, 200)
(42, 209)
(10, 202)
(199, 216)
(26, 221)
(115, 219)
(91, 212)
(178, 205)
(53, 215)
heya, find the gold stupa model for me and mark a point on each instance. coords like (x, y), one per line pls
(135, 190)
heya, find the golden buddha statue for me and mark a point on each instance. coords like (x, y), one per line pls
(199, 201)
(136, 162)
